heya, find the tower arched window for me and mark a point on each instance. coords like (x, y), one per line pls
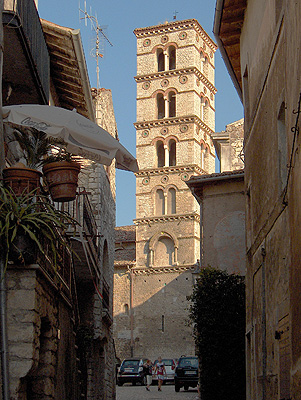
(202, 58)
(172, 153)
(202, 161)
(160, 202)
(172, 104)
(202, 108)
(171, 201)
(160, 60)
(160, 154)
(206, 159)
(172, 57)
(205, 111)
(160, 106)
(165, 252)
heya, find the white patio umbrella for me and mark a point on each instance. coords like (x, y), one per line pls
(82, 136)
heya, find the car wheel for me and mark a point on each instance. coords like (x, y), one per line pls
(119, 383)
(177, 388)
(186, 387)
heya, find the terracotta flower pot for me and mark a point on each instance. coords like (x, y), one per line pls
(62, 178)
(21, 179)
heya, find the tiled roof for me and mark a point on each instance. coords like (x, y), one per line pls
(125, 233)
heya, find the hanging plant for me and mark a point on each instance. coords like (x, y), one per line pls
(25, 221)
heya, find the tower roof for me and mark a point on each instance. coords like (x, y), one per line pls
(176, 26)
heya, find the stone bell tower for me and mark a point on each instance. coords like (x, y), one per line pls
(175, 120)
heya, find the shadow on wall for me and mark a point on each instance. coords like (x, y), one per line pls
(160, 315)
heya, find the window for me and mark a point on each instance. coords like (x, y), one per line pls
(202, 161)
(160, 106)
(160, 60)
(172, 104)
(160, 202)
(171, 201)
(160, 154)
(172, 57)
(172, 153)
(202, 62)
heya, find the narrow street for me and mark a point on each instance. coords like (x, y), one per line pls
(129, 392)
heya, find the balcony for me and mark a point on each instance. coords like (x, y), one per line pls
(26, 58)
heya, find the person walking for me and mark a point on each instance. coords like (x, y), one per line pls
(148, 368)
(161, 372)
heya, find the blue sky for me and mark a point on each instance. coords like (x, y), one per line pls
(119, 18)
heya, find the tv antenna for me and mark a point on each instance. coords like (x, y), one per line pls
(99, 34)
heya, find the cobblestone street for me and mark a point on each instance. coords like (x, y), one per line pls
(129, 392)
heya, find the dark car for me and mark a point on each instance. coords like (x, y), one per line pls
(131, 370)
(186, 373)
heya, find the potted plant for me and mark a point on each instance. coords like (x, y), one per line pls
(61, 173)
(35, 145)
(25, 221)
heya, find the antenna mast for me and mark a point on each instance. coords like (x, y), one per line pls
(99, 31)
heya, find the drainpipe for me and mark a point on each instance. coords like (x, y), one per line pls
(263, 322)
(3, 307)
(132, 311)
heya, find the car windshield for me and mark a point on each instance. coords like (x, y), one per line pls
(130, 363)
(188, 362)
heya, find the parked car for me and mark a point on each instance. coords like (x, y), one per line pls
(131, 370)
(170, 366)
(186, 373)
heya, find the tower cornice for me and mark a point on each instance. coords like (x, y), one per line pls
(177, 72)
(167, 218)
(173, 121)
(176, 26)
(170, 170)
(164, 270)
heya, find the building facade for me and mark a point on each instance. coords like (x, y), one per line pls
(175, 123)
(261, 48)
(59, 323)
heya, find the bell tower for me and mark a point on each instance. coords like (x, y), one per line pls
(175, 121)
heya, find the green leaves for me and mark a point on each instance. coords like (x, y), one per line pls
(32, 216)
(217, 311)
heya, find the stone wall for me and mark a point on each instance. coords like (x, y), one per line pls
(40, 332)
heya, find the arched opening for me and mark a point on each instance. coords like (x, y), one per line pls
(172, 152)
(171, 201)
(126, 309)
(164, 252)
(206, 160)
(172, 57)
(159, 202)
(205, 110)
(160, 60)
(202, 108)
(202, 59)
(160, 106)
(160, 154)
(202, 161)
(172, 104)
